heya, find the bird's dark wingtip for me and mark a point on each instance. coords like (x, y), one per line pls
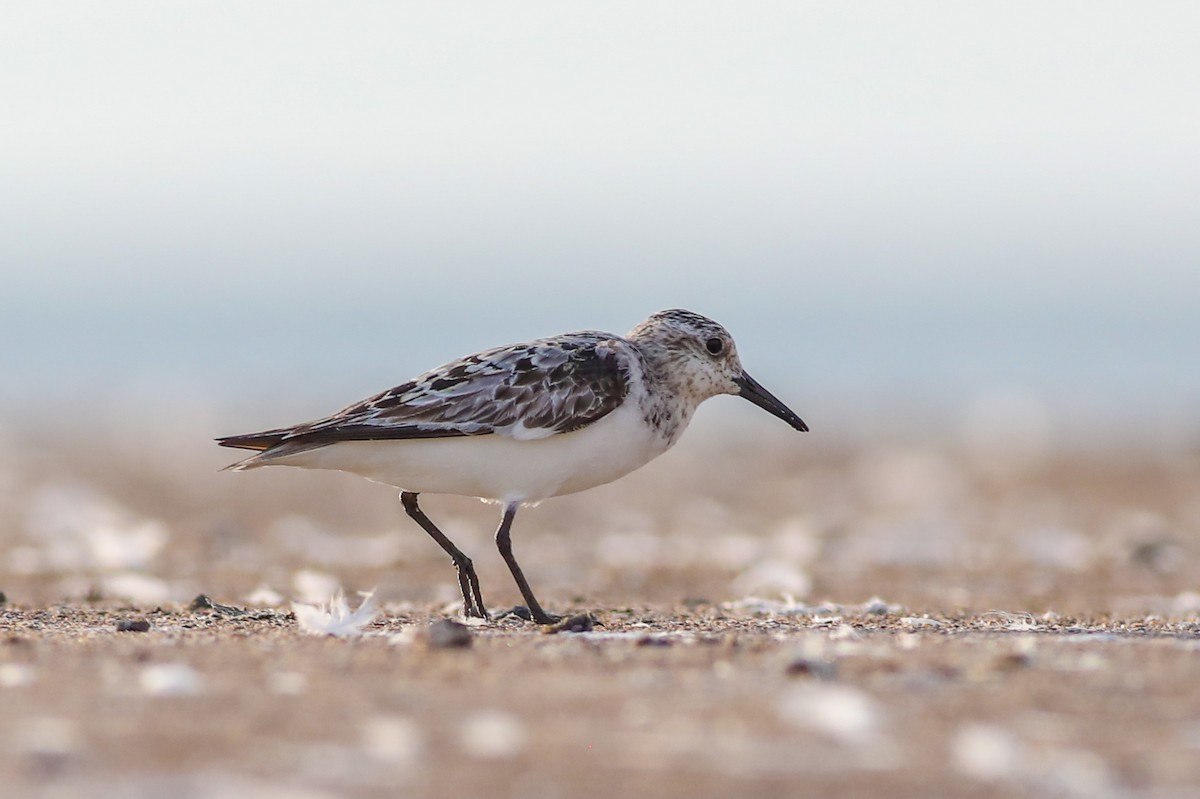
(253, 441)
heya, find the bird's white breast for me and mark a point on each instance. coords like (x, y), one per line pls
(497, 466)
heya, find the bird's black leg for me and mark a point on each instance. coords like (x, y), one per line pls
(467, 581)
(504, 543)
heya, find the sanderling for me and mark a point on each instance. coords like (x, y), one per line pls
(523, 423)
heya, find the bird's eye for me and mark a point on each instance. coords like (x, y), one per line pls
(714, 345)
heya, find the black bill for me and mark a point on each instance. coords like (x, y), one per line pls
(751, 390)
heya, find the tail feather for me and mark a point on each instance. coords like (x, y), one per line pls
(269, 445)
(255, 441)
(245, 463)
(261, 443)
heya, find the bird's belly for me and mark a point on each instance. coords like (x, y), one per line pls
(498, 467)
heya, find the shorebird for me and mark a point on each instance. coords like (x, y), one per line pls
(523, 423)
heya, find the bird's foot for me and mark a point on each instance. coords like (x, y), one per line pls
(536, 615)
(520, 611)
(472, 611)
(553, 623)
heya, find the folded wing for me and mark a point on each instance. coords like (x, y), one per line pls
(526, 391)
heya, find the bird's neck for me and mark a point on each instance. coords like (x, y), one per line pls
(666, 402)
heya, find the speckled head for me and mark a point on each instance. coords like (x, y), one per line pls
(699, 357)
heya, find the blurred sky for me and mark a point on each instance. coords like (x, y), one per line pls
(890, 204)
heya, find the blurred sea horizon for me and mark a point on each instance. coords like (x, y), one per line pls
(1086, 379)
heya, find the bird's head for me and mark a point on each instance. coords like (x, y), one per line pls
(700, 358)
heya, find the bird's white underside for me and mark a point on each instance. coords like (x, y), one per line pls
(499, 467)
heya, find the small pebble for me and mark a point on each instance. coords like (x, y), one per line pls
(447, 634)
(393, 740)
(133, 626)
(204, 602)
(493, 735)
(846, 714)
(986, 752)
(287, 683)
(16, 675)
(170, 679)
(201, 602)
(1012, 661)
(812, 667)
(875, 607)
(917, 622)
(579, 623)
(49, 743)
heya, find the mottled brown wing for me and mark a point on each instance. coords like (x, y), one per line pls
(525, 391)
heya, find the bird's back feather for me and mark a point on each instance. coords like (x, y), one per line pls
(525, 391)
